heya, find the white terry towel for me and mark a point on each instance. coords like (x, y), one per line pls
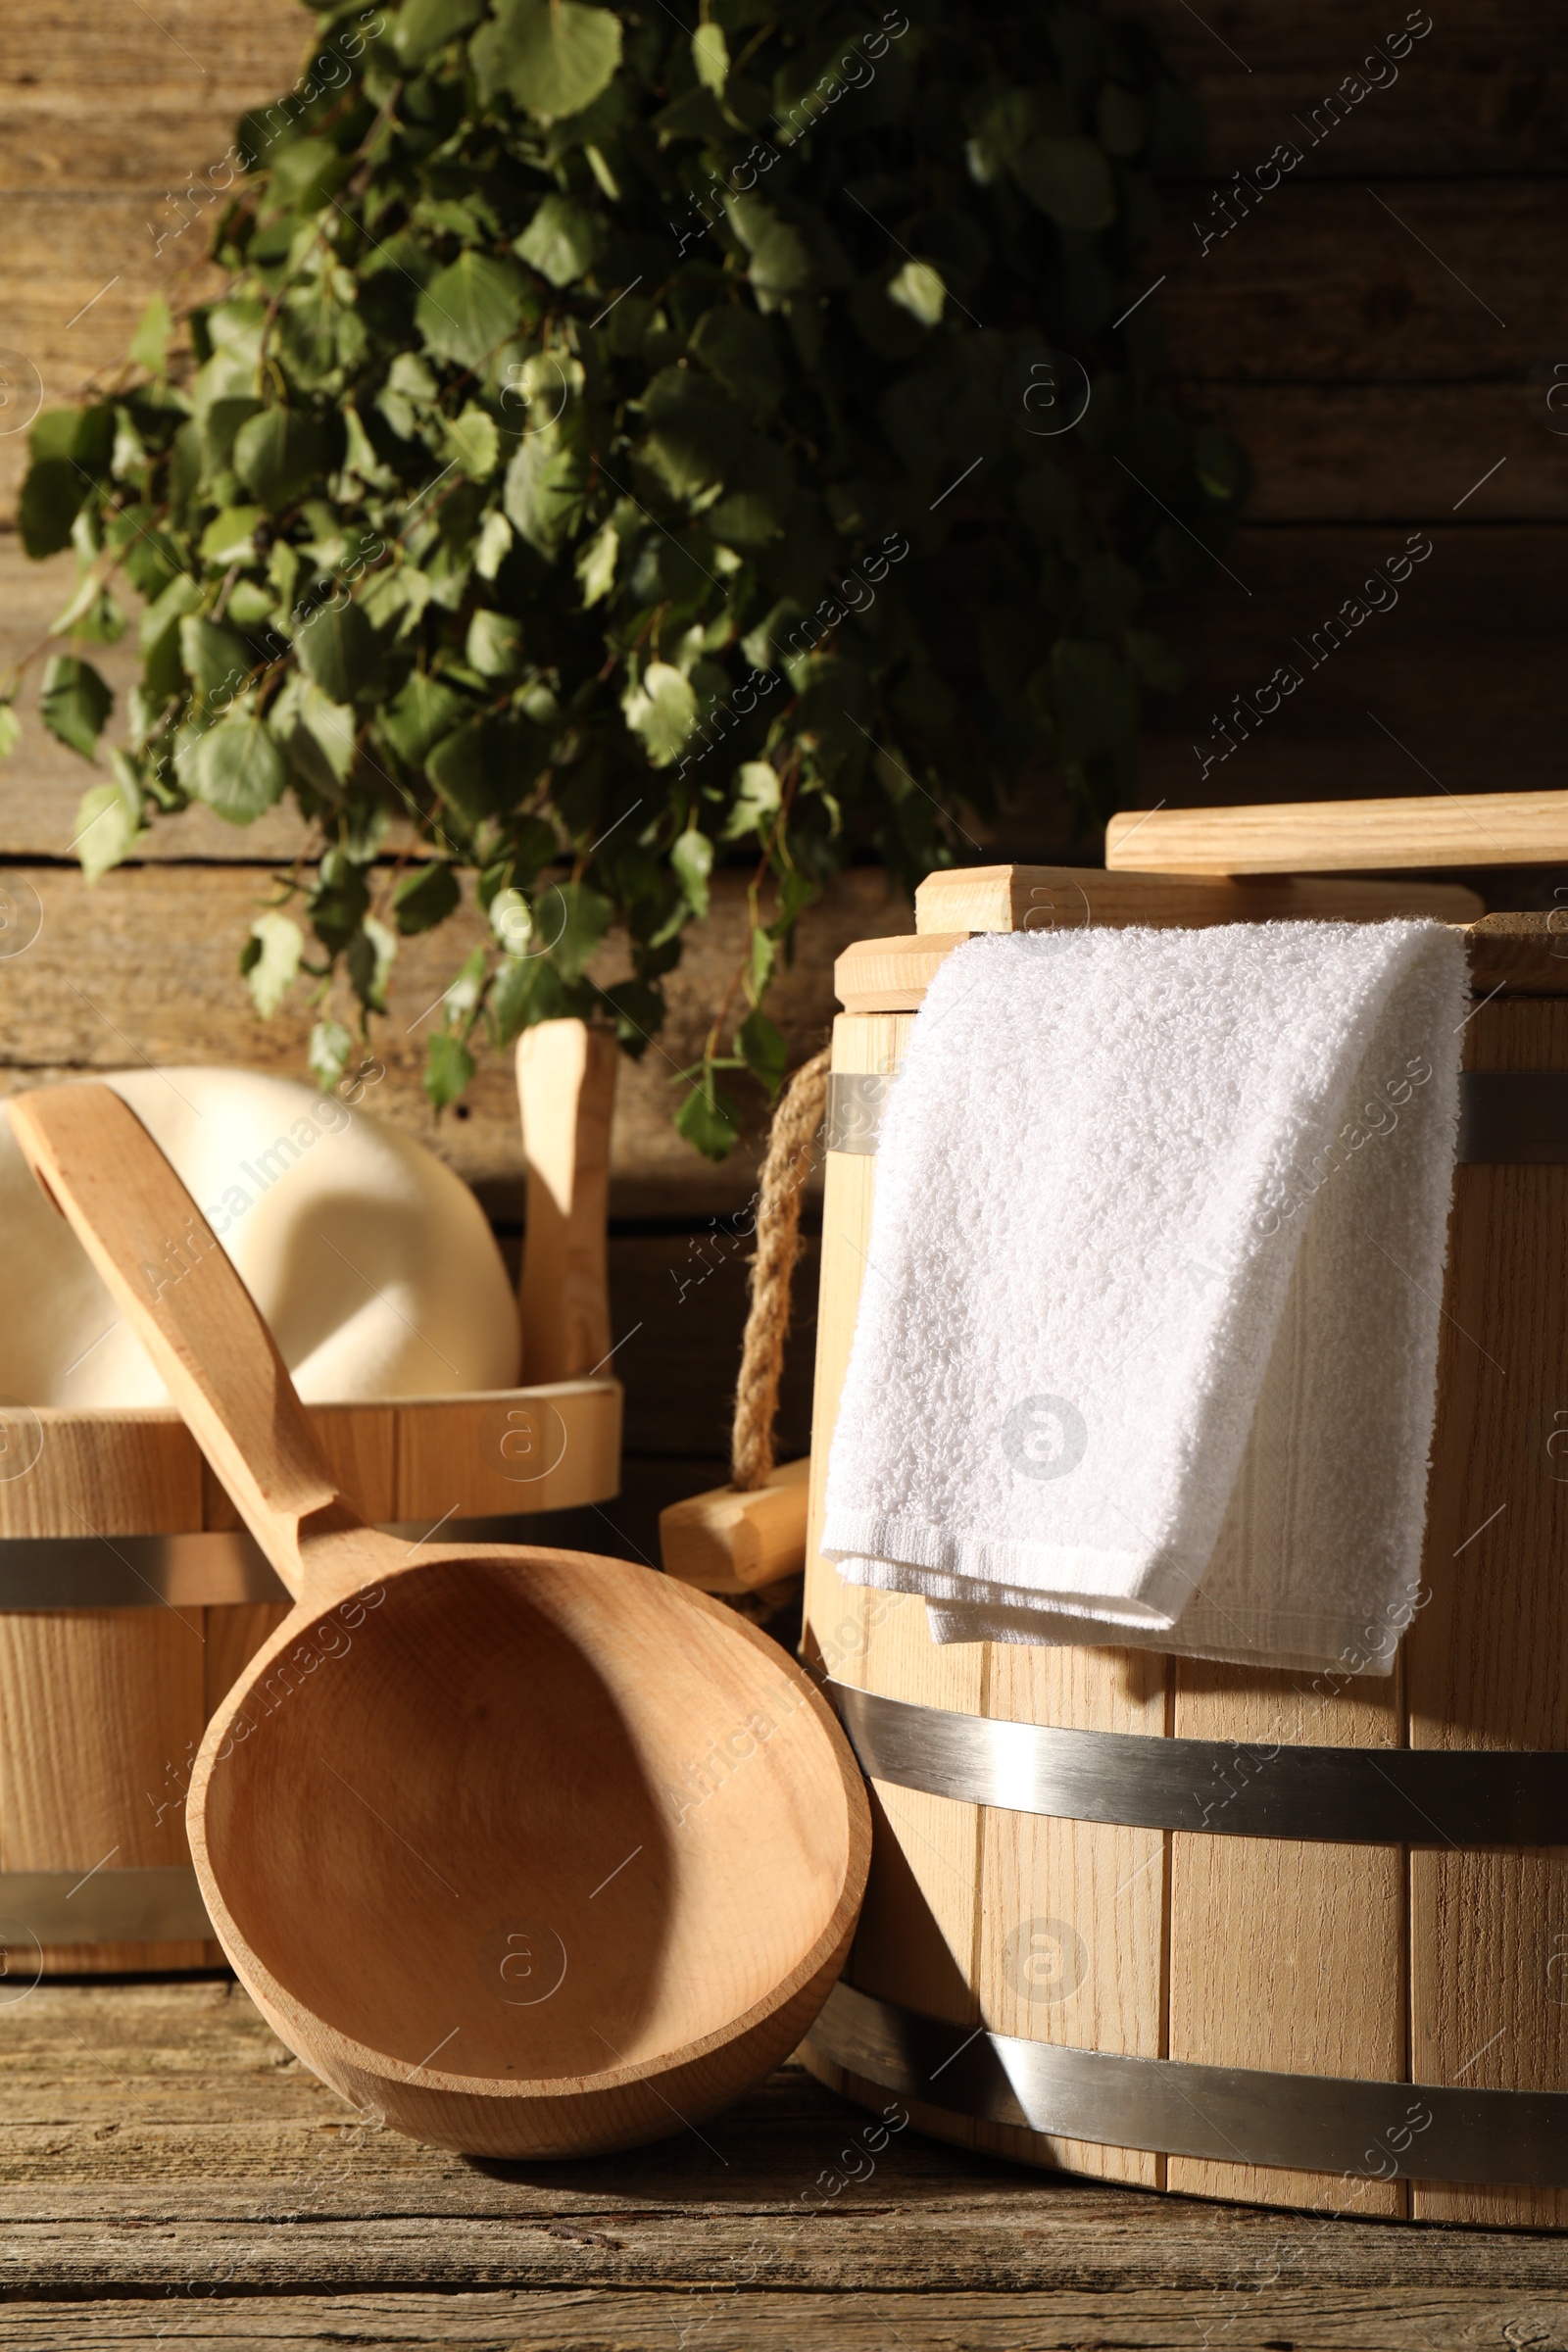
(1146, 1345)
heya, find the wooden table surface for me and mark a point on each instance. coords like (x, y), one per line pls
(170, 2175)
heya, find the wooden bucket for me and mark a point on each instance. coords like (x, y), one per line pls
(131, 1596)
(1300, 1939)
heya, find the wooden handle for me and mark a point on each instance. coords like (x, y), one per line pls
(1307, 836)
(567, 1092)
(166, 1273)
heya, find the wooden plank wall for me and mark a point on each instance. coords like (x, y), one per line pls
(1380, 329)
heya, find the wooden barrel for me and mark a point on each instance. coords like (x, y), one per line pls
(131, 1596)
(1300, 1940)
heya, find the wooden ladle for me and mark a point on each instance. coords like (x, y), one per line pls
(535, 1853)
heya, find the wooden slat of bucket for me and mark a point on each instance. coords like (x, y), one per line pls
(1284, 1955)
(917, 1933)
(1072, 1913)
(1490, 1931)
(118, 1693)
(520, 1449)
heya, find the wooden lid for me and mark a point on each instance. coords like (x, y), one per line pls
(1524, 954)
(1365, 837)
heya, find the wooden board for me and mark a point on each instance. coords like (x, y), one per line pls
(170, 2175)
(1490, 1931)
(1065, 898)
(1393, 452)
(1492, 828)
(143, 967)
(1486, 92)
(1520, 952)
(1458, 688)
(1331, 281)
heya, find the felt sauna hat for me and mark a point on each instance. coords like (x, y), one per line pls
(371, 1260)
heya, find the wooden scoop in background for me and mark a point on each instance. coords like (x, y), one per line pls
(536, 1853)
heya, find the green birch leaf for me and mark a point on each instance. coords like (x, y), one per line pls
(329, 1054)
(710, 57)
(448, 1069)
(470, 309)
(756, 799)
(662, 711)
(425, 898)
(691, 857)
(596, 565)
(918, 289)
(571, 919)
(1069, 179)
(52, 493)
(553, 56)
(423, 26)
(764, 1049)
(271, 959)
(75, 702)
(338, 650)
(425, 710)
(109, 821)
(149, 344)
(710, 1119)
(280, 455)
(561, 242)
(475, 442)
(238, 770)
(9, 729)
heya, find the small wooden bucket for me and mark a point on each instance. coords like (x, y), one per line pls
(1298, 1939)
(131, 1596)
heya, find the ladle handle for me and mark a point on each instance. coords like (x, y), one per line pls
(167, 1272)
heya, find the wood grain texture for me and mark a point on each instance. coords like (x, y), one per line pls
(1066, 898)
(1331, 281)
(1521, 953)
(1490, 1931)
(1458, 688)
(1494, 828)
(1072, 1933)
(728, 1541)
(164, 2164)
(1395, 453)
(547, 1448)
(143, 964)
(1284, 1955)
(567, 1089)
(99, 1707)
(1483, 93)
(733, 2319)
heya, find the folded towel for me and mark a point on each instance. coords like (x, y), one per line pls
(371, 1260)
(1146, 1345)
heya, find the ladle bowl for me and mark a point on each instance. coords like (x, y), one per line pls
(532, 1854)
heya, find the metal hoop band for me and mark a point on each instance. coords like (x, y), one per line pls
(1218, 1787)
(98, 1906)
(1231, 2115)
(207, 1570)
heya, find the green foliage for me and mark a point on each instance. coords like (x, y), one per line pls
(633, 438)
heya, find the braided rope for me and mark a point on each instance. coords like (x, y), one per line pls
(785, 1169)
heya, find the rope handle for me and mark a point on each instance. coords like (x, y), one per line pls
(785, 1168)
